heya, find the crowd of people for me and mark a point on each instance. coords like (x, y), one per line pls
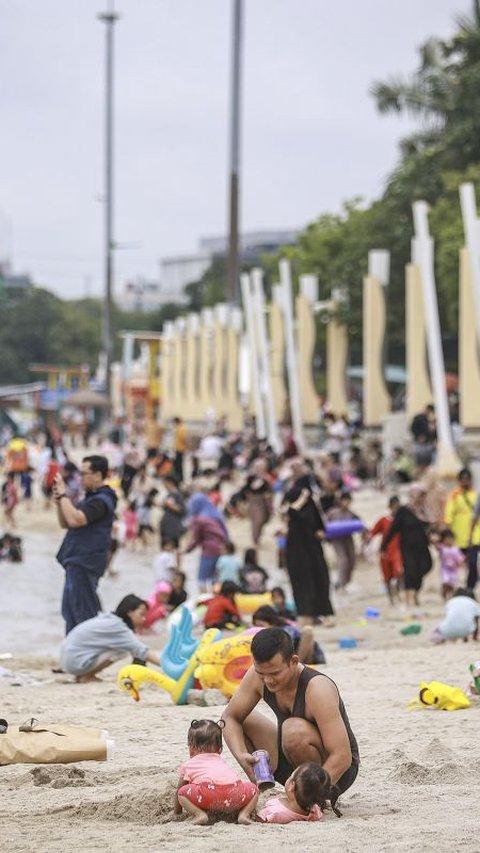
(184, 498)
(188, 498)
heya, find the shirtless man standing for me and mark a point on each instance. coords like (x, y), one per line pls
(312, 723)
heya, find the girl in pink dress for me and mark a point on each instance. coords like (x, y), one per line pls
(451, 561)
(305, 792)
(130, 520)
(207, 783)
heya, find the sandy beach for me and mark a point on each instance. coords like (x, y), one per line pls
(417, 782)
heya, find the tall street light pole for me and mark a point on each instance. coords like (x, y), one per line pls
(109, 18)
(235, 107)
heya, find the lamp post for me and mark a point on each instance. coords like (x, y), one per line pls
(233, 240)
(109, 18)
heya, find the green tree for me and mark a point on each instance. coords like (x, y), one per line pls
(210, 288)
(39, 327)
(30, 331)
(444, 95)
(80, 333)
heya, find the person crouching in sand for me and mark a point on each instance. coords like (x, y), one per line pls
(311, 720)
(306, 791)
(96, 643)
(462, 615)
(207, 783)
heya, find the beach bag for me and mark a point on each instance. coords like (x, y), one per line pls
(441, 696)
(33, 743)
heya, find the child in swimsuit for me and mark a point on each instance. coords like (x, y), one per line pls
(207, 783)
(305, 793)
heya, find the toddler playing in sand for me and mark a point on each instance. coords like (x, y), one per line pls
(305, 792)
(207, 783)
(462, 615)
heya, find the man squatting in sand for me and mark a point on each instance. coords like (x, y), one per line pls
(312, 723)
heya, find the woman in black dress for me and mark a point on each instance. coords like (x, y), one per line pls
(306, 565)
(411, 523)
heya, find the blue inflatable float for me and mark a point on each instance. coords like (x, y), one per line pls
(337, 529)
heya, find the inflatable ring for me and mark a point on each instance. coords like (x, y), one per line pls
(250, 602)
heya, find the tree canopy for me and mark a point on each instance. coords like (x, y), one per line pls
(38, 326)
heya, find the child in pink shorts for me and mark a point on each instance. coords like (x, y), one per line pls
(305, 793)
(207, 783)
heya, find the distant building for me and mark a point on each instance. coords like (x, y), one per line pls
(178, 271)
(252, 245)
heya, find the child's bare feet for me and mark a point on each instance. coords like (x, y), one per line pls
(245, 814)
(200, 818)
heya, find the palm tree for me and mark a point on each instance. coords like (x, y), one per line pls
(444, 94)
(467, 40)
(426, 94)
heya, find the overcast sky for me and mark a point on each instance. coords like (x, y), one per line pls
(311, 136)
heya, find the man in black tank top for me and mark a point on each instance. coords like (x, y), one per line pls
(312, 723)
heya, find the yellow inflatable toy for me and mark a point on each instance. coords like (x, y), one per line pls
(250, 602)
(132, 676)
(223, 664)
(441, 696)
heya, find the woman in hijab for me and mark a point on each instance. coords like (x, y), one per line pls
(411, 522)
(207, 532)
(306, 564)
(200, 504)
